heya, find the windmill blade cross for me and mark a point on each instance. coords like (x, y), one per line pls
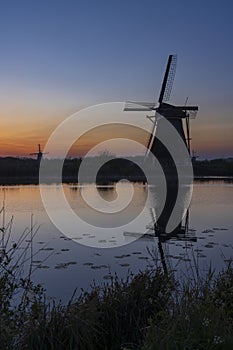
(174, 114)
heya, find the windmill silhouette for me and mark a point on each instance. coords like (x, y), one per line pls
(39, 154)
(174, 114)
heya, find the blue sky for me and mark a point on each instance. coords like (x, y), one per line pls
(59, 56)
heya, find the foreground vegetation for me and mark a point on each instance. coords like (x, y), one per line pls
(148, 311)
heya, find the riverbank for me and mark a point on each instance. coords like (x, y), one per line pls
(15, 180)
(148, 311)
(26, 171)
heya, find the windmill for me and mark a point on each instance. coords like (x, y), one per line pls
(179, 117)
(174, 114)
(39, 154)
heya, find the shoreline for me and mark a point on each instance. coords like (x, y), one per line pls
(33, 180)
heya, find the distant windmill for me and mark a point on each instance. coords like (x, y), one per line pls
(39, 154)
(175, 114)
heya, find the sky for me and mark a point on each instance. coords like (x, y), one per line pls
(58, 57)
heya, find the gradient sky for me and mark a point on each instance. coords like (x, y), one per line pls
(60, 56)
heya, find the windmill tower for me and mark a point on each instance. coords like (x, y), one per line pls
(174, 114)
(39, 154)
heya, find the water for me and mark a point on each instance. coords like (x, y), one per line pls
(61, 264)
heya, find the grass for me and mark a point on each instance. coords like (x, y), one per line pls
(200, 317)
(148, 311)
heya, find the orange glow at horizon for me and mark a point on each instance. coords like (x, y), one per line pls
(213, 139)
(107, 132)
(21, 141)
(22, 129)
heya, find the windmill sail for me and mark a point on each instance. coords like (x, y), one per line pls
(151, 137)
(139, 106)
(168, 79)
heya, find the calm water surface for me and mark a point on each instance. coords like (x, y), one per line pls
(61, 264)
